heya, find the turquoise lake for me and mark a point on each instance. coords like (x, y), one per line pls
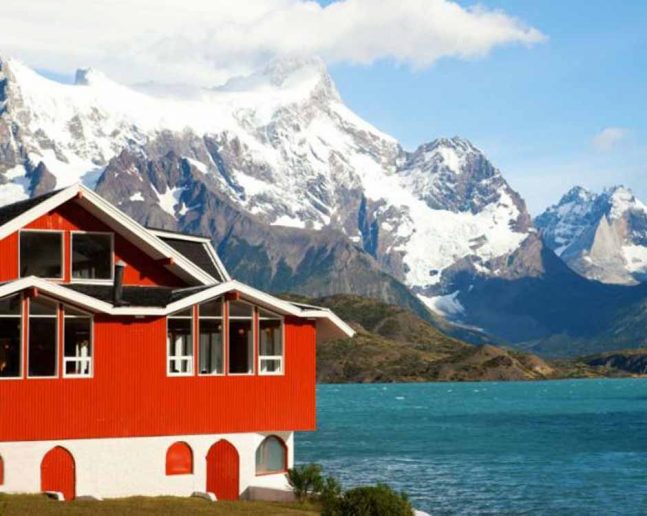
(558, 447)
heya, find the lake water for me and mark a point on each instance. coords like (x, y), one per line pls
(559, 447)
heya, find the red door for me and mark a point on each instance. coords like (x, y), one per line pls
(222, 471)
(58, 473)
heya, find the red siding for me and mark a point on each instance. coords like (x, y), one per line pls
(140, 270)
(130, 394)
(223, 471)
(58, 473)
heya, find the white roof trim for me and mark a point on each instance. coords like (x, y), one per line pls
(152, 244)
(206, 241)
(339, 328)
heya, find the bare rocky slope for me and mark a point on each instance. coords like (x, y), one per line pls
(300, 194)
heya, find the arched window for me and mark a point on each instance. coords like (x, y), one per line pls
(1, 471)
(271, 456)
(179, 459)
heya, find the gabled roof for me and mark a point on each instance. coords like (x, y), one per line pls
(162, 301)
(18, 215)
(198, 249)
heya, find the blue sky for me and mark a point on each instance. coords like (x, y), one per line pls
(534, 111)
(536, 108)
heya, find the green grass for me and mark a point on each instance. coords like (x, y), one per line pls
(40, 505)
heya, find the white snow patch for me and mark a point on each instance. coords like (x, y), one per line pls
(636, 257)
(286, 220)
(200, 167)
(169, 199)
(448, 305)
(138, 196)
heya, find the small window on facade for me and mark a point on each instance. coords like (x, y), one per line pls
(180, 343)
(210, 352)
(1, 471)
(41, 254)
(77, 358)
(179, 459)
(270, 357)
(10, 336)
(271, 456)
(92, 256)
(43, 331)
(241, 338)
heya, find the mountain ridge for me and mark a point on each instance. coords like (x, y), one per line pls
(298, 193)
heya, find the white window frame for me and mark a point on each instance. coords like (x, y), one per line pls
(61, 233)
(93, 281)
(57, 345)
(20, 316)
(224, 343)
(190, 359)
(280, 358)
(90, 359)
(228, 339)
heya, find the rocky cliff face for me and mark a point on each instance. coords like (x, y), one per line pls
(297, 192)
(601, 236)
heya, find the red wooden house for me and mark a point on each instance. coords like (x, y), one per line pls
(132, 364)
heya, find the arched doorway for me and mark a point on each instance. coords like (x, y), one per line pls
(58, 473)
(223, 471)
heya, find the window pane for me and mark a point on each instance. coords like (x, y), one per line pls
(180, 345)
(42, 346)
(211, 309)
(271, 339)
(91, 256)
(237, 309)
(77, 346)
(10, 306)
(241, 346)
(270, 365)
(10, 348)
(210, 354)
(41, 254)
(270, 456)
(42, 307)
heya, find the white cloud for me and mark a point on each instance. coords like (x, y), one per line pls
(609, 137)
(208, 41)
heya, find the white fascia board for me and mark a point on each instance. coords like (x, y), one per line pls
(39, 210)
(334, 325)
(138, 232)
(206, 241)
(143, 236)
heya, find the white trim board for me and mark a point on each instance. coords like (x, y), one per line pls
(328, 324)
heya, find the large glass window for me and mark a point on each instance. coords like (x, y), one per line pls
(270, 357)
(210, 353)
(271, 456)
(92, 256)
(41, 254)
(10, 337)
(241, 338)
(180, 343)
(77, 357)
(43, 331)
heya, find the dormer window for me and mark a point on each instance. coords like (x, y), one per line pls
(92, 256)
(41, 254)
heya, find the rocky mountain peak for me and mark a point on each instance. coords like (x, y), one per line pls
(601, 236)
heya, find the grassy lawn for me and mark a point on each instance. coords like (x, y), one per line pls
(39, 505)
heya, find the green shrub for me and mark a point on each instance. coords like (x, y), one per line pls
(378, 500)
(305, 480)
(330, 497)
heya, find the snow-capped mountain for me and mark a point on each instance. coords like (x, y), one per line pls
(282, 146)
(601, 236)
(300, 194)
